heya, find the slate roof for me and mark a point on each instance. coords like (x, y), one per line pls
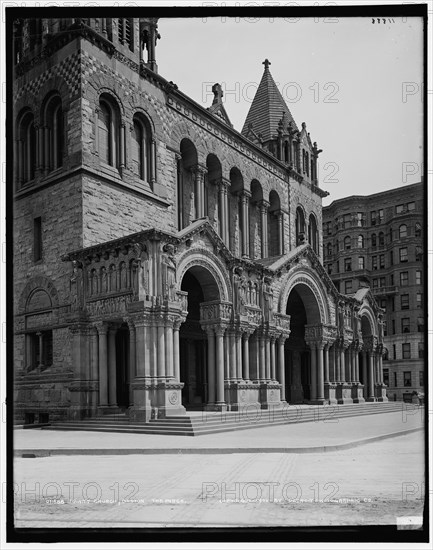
(267, 109)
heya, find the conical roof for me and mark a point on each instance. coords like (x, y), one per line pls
(267, 108)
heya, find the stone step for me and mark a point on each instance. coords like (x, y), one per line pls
(197, 425)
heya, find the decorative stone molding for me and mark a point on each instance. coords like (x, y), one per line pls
(108, 306)
(215, 312)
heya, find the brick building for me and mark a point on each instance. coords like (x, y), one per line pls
(377, 241)
(163, 260)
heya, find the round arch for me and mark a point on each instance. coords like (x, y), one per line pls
(311, 291)
(207, 271)
(368, 322)
(182, 130)
(40, 282)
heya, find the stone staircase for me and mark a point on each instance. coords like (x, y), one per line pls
(205, 422)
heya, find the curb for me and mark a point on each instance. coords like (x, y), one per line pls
(40, 453)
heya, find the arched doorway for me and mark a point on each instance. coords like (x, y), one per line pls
(201, 287)
(303, 310)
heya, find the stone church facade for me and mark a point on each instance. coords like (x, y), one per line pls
(163, 261)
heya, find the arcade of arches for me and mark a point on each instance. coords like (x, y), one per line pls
(193, 347)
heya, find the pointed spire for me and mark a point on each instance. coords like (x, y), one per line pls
(268, 108)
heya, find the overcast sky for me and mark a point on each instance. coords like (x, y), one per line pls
(356, 84)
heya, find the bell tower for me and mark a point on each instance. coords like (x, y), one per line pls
(148, 38)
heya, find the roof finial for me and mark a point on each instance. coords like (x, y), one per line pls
(266, 63)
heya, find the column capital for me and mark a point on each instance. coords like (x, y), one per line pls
(245, 194)
(199, 169)
(223, 183)
(263, 204)
(101, 327)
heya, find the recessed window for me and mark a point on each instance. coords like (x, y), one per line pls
(348, 287)
(373, 217)
(417, 230)
(420, 324)
(361, 262)
(374, 240)
(125, 26)
(403, 231)
(382, 261)
(25, 148)
(374, 263)
(407, 375)
(403, 254)
(386, 377)
(411, 206)
(404, 301)
(348, 264)
(108, 131)
(141, 149)
(405, 325)
(346, 221)
(399, 209)
(360, 241)
(40, 350)
(421, 352)
(419, 300)
(382, 282)
(404, 278)
(381, 238)
(421, 373)
(418, 277)
(347, 243)
(360, 219)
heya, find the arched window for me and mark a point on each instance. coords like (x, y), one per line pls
(373, 240)
(26, 148)
(275, 225)
(307, 163)
(313, 234)
(54, 126)
(403, 231)
(141, 149)
(286, 152)
(125, 28)
(417, 229)
(381, 238)
(347, 244)
(360, 241)
(300, 226)
(108, 131)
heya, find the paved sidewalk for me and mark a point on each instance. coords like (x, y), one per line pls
(322, 436)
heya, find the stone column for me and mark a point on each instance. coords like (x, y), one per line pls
(364, 373)
(313, 371)
(326, 362)
(169, 349)
(222, 203)
(122, 146)
(211, 365)
(41, 348)
(94, 354)
(176, 350)
(342, 366)
(239, 362)
(280, 218)
(199, 172)
(219, 333)
(262, 358)
(245, 197)
(246, 356)
(281, 367)
(357, 365)
(380, 368)
(132, 361)
(112, 382)
(161, 350)
(320, 379)
(103, 372)
(268, 358)
(263, 206)
(370, 376)
(153, 170)
(232, 354)
(273, 363)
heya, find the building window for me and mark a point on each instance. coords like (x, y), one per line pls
(41, 350)
(347, 243)
(420, 324)
(26, 148)
(313, 234)
(108, 132)
(347, 264)
(375, 283)
(418, 278)
(399, 209)
(300, 226)
(382, 261)
(374, 263)
(405, 325)
(360, 241)
(382, 282)
(348, 287)
(37, 239)
(407, 376)
(125, 32)
(391, 258)
(404, 299)
(373, 217)
(361, 262)
(406, 351)
(419, 300)
(418, 253)
(329, 249)
(411, 206)
(328, 228)
(380, 215)
(141, 150)
(360, 219)
(55, 129)
(421, 351)
(329, 269)
(346, 221)
(404, 278)
(403, 255)
(403, 231)
(373, 240)
(417, 229)
(386, 377)
(394, 354)
(421, 378)
(393, 326)
(381, 238)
